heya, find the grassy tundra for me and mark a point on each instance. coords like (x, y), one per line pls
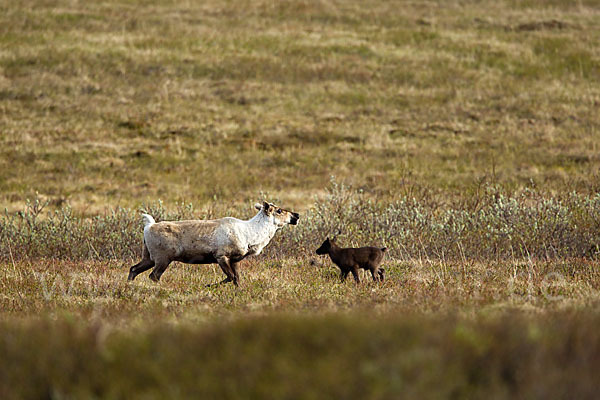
(464, 136)
(115, 102)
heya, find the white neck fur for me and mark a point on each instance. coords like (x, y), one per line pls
(260, 229)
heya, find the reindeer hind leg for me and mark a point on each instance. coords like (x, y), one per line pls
(159, 268)
(142, 266)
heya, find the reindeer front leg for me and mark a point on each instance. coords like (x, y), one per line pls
(225, 265)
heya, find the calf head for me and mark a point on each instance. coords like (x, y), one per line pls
(277, 215)
(325, 247)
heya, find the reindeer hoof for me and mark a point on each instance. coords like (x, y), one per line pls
(226, 280)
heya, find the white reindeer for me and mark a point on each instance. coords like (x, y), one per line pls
(225, 241)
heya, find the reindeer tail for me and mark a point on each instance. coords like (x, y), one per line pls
(148, 220)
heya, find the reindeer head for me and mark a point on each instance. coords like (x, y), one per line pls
(278, 215)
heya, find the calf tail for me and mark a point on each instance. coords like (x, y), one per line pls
(148, 220)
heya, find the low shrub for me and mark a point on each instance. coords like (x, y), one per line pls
(495, 226)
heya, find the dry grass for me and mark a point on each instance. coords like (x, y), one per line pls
(114, 104)
(293, 330)
(99, 291)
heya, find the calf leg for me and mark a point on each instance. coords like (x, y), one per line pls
(344, 274)
(355, 274)
(376, 273)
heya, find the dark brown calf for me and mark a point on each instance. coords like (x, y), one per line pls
(351, 259)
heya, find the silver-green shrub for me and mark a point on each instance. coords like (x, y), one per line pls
(499, 226)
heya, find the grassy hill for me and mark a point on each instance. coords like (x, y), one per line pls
(117, 102)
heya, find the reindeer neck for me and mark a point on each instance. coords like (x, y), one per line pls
(259, 228)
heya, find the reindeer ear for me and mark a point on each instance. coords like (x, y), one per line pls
(266, 207)
(258, 206)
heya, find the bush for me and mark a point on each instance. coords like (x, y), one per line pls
(494, 226)
(498, 226)
(62, 235)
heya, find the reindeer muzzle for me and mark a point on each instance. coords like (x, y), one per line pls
(294, 219)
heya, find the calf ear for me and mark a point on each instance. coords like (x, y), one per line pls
(258, 206)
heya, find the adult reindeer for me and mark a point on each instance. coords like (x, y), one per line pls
(225, 241)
